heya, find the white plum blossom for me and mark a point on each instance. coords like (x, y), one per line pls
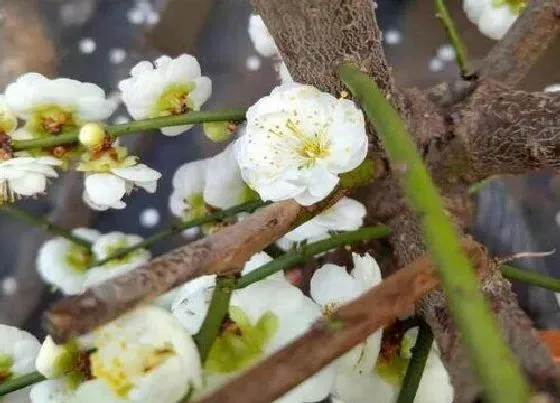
(25, 175)
(143, 356)
(108, 244)
(384, 381)
(261, 38)
(493, 17)
(68, 266)
(332, 286)
(271, 312)
(345, 215)
(51, 107)
(18, 350)
(111, 175)
(298, 141)
(214, 181)
(167, 87)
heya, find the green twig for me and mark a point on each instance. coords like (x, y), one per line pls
(530, 277)
(181, 226)
(42, 223)
(20, 382)
(193, 117)
(416, 364)
(460, 51)
(305, 253)
(217, 311)
(492, 360)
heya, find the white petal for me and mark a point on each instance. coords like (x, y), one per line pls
(51, 391)
(224, 186)
(495, 21)
(137, 173)
(201, 92)
(175, 130)
(29, 184)
(191, 303)
(21, 346)
(105, 189)
(53, 266)
(366, 271)
(332, 284)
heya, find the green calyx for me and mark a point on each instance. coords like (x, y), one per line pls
(393, 370)
(240, 343)
(359, 176)
(174, 100)
(119, 158)
(515, 6)
(78, 258)
(218, 132)
(115, 248)
(6, 362)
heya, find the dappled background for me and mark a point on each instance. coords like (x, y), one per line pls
(100, 40)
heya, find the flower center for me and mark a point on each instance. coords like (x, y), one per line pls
(78, 258)
(515, 6)
(52, 120)
(240, 342)
(174, 100)
(310, 148)
(116, 247)
(394, 356)
(105, 159)
(196, 206)
(123, 362)
(6, 362)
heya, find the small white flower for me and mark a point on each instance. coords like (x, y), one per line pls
(109, 178)
(51, 107)
(332, 286)
(8, 121)
(261, 38)
(143, 356)
(212, 181)
(298, 140)
(18, 350)
(493, 17)
(108, 244)
(552, 88)
(271, 312)
(172, 87)
(25, 176)
(345, 215)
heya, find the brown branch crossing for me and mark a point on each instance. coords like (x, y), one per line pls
(330, 338)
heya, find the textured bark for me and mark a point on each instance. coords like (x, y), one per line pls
(328, 339)
(510, 132)
(511, 59)
(224, 252)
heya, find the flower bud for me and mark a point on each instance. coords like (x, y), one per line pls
(55, 360)
(91, 134)
(219, 131)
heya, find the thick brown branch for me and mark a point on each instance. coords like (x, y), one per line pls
(223, 252)
(512, 58)
(330, 338)
(510, 132)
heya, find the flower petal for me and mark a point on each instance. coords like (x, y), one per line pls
(105, 189)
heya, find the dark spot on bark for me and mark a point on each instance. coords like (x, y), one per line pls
(272, 223)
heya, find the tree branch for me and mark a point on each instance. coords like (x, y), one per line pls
(328, 339)
(511, 59)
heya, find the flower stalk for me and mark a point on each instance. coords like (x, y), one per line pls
(193, 117)
(43, 224)
(491, 357)
(529, 277)
(20, 382)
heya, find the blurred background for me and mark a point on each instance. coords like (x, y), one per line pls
(100, 40)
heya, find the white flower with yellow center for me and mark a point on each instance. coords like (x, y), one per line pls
(108, 244)
(332, 286)
(52, 107)
(167, 87)
(263, 317)
(261, 38)
(384, 380)
(298, 141)
(25, 176)
(143, 356)
(18, 350)
(345, 215)
(68, 266)
(493, 17)
(8, 121)
(111, 175)
(209, 183)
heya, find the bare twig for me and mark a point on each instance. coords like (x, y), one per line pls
(511, 59)
(329, 339)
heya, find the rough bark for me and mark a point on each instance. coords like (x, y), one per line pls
(330, 338)
(511, 59)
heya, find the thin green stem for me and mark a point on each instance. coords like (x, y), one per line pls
(515, 273)
(416, 364)
(20, 382)
(190, 118)
(305, 253)
(217, 311)
(42, 223)
(460, 50)
(492, 360)
(181, 226)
